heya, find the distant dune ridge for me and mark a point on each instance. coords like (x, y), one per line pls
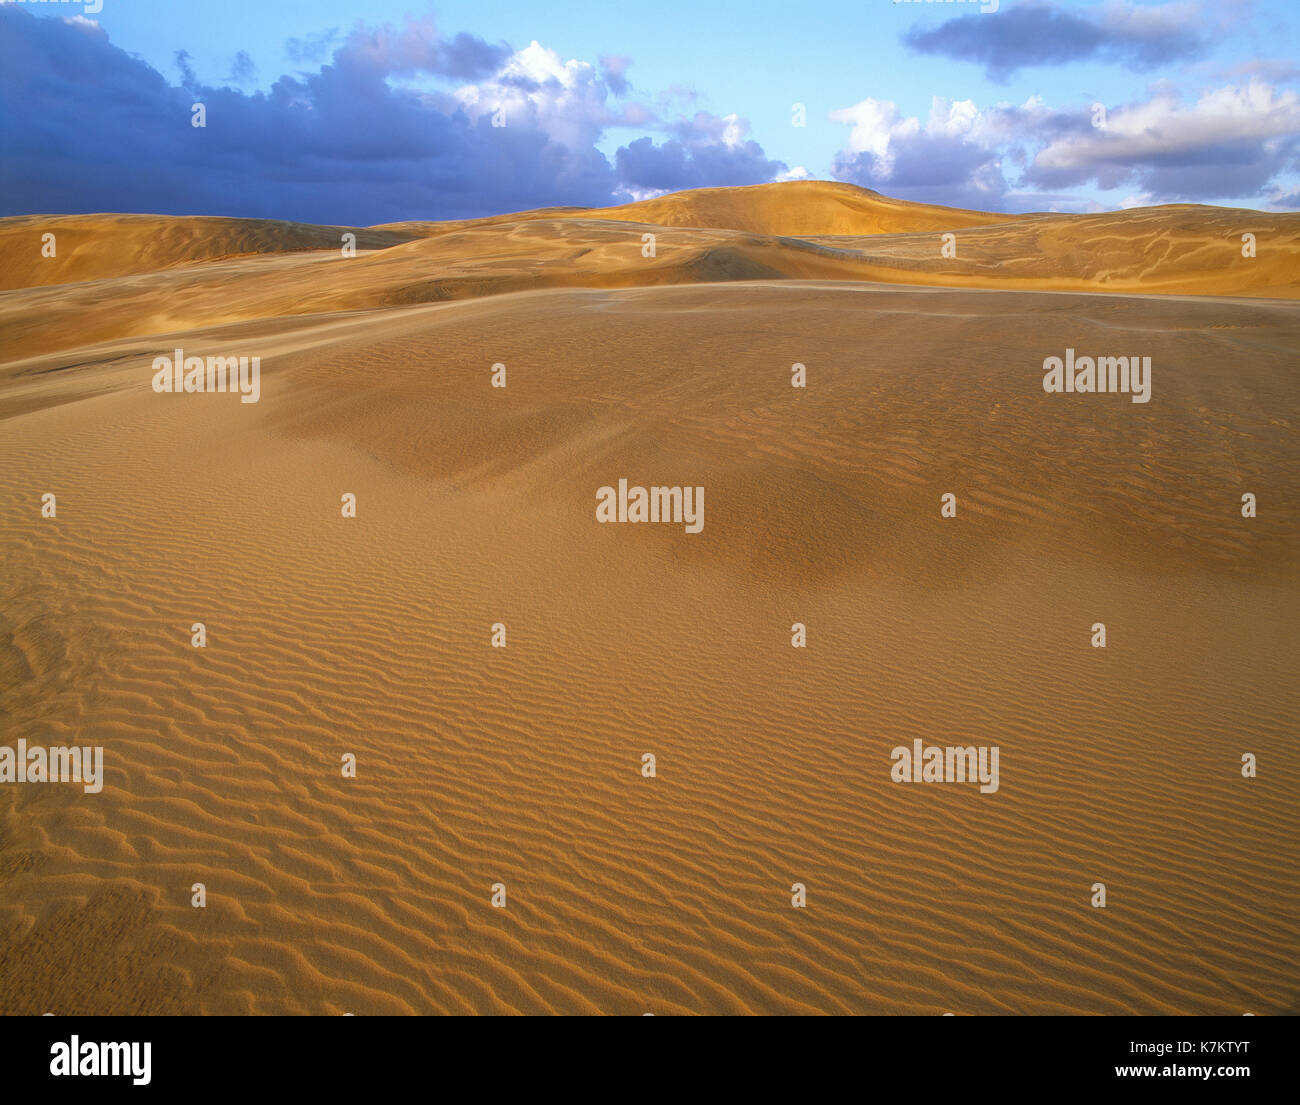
(796, 230)
(477, 507)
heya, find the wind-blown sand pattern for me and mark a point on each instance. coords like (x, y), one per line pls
(520, 765)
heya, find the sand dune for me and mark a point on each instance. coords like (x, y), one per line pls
(122, 276)
(97, 247)
(800, 207)
(520, 765)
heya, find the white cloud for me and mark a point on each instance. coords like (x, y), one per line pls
(876, 124)
(563, 99)
(1238, 141)
(1162, 126)
(797, 173)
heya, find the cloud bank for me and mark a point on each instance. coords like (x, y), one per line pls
(1037, 34)
(1234, 141)
(400, 123)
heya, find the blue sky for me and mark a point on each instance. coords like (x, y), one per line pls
(340, 111)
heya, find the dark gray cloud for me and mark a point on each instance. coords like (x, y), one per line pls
(242, 69)
(672, 166)
(188, 79)
(705, 151)
(1037, 34)
(613, 68)
(88, 127)
(467, 57)
(931, 168)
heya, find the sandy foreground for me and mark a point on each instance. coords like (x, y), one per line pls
(371, 636)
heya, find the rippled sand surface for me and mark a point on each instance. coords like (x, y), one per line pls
(371, 636)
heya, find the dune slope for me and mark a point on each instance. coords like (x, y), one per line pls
(371, 636)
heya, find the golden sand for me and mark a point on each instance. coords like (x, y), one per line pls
(371, 636)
